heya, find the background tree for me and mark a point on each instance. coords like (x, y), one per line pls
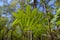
(25, 18)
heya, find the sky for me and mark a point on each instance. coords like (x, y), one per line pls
(18, 6)
(41, 9)
(9, 1)
(2, 3)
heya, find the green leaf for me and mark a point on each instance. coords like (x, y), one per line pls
(58, 22)
(16, 22)
(28, 9)
(57, 3)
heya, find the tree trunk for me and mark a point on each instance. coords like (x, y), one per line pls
(34, 3)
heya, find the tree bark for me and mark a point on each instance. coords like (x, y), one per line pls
(34, 3)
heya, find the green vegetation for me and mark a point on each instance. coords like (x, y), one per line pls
(29, 23)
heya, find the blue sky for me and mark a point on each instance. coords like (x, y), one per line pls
(2, 3)
(9, 1)
(41, 9)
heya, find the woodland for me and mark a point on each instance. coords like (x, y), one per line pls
(29, 19)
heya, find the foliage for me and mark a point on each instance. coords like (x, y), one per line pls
(30, 23)
(3, 22)
(29, 20)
